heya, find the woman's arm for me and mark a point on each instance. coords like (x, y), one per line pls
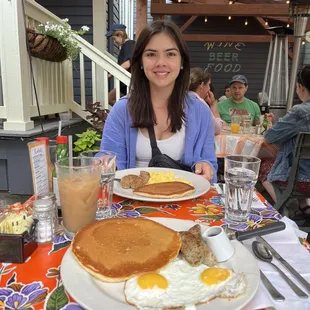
(286, 128)
(114, 132)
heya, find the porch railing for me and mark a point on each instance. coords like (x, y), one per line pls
(54, 81)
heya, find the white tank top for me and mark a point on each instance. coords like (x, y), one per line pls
(173, 147)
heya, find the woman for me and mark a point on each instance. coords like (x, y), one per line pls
(158, 98)
(284, 133)
(120, 38)
(227, 93)
(200, 85)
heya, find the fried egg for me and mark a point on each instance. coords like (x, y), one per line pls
(181, 285)
(159, 177)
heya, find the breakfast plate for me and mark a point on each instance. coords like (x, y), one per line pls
(93, 294)
(201, 184)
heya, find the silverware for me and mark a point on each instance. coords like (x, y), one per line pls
(274, 293)
(264, 254)
(265, 230)
(285, 264)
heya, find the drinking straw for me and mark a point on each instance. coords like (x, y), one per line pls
(70, 150)
(59, 128)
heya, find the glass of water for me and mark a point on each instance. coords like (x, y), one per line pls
(108, 159)
(241, 174)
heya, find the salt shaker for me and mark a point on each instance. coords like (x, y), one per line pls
(50, 196)
(43, 211)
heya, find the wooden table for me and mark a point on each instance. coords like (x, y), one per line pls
(36, 284)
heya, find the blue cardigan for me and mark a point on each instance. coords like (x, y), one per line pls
(121, 138)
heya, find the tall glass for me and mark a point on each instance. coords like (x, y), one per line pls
(78, 191)
(246, 123)
(235, 123)
(108, 158)
(241, 174)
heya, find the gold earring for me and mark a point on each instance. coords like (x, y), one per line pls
(181, 67)
(141, 67)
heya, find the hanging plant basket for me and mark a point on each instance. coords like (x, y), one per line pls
(45, 47)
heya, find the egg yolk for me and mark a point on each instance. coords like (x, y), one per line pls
(149, 280)
(212, 276)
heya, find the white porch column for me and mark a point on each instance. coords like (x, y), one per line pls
(100, 41)
(15, 70)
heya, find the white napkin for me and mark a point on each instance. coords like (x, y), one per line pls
(256, 202)
(286, 243)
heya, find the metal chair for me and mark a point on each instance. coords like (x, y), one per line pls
(301, 152)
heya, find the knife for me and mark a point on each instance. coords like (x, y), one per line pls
(286, 264)
(275, 294)
(265, 230)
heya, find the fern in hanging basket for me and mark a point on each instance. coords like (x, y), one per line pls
(55, 42)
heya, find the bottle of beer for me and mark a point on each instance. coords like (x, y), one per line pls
(61, 152)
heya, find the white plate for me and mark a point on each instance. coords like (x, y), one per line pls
(93, 294)
(201, 184)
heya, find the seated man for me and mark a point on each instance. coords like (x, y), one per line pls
(237, 104)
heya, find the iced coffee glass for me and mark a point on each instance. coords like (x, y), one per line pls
(78, 190)
(108, 159)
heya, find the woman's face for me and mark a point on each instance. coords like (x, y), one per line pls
(118, 40)
(205, 88)
(161, 61)
(300, 91)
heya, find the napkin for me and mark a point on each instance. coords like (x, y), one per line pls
(256, 202)
(287, 244)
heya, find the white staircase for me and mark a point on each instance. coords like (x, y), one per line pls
(54, 81)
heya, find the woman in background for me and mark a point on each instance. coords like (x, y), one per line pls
(200, 85)
(158, 98)
(284, 134)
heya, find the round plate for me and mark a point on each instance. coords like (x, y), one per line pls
(200, 183)
(93, 294)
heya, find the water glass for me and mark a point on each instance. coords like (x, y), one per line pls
(241, 173)
(78, 190)
(108, 159)
(235, 123)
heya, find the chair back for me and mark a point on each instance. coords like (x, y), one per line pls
(301, 152)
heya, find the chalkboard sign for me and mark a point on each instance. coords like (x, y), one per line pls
(226, 59)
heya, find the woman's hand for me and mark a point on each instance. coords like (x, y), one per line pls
(210, 99)
(204, 169)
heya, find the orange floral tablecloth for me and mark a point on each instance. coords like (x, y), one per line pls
(36, 284)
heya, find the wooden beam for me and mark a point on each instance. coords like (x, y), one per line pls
(229, 38)
(189, 21)
(141, 15)
(219, 9)
(162, 16)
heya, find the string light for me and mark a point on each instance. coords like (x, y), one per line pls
(266, 22)
(288, 25)
(229, 17)
(288, 2)
(179, 1)
(303, 42)
(231, 2)
(206, 19)
(246, 22)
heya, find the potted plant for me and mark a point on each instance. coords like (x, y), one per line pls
(90, 139)
(54, 42)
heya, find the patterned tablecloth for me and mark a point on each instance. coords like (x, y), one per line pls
(36, 284)
(242, 144)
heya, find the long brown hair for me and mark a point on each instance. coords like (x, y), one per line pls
(198, 76)
(140, 105)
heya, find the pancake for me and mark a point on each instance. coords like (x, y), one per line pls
(116, 249)
(165, 190)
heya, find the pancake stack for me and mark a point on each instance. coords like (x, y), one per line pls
(116, 249)
(165, 190)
